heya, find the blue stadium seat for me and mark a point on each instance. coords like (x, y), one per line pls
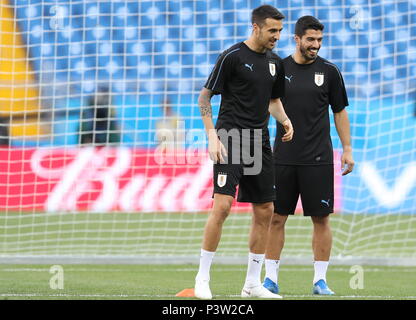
(62, 50)
(66, 129)
(229, 17)
(152, 13)
(172, 57)
(187, 60)
(186, 46)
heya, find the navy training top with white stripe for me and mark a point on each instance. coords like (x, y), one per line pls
(309, 90)
(246, 80)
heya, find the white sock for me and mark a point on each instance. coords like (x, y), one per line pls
(272, 269)
(255, 263)
(205, 262)
(320, 270)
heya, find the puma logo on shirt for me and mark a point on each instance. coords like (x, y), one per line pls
(289, 78)
(249, 66)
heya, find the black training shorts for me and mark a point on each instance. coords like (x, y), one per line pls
(314, 184)
(258, 188)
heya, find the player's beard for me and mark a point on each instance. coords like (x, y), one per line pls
(307, 55)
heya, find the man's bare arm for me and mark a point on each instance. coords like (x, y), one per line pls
(342, 125)
(215, 148)
(278, 112)
(205, 108)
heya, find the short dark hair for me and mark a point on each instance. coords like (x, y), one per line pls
(263, 12)
(307, 22)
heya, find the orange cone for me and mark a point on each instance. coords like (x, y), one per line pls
(187, 293)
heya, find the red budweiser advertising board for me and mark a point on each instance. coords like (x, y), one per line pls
(108, 179)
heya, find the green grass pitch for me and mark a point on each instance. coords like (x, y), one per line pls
(180, 234)
(162, 282)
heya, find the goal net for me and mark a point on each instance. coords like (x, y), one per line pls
(103, 151)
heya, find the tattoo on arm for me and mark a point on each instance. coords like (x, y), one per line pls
(206, 110)
(205, 105)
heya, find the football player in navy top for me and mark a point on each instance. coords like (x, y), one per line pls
(250, 79)
(305, 165)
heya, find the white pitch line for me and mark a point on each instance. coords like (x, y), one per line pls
(170, 296)
(335, 296)
(282, 269)
(65, 268)
(306, 269)
(346, 297)
(84, 295)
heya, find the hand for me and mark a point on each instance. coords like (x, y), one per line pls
(287, 125)
(216, 149)
(347, 162)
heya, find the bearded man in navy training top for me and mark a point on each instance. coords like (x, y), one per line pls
(305, 166)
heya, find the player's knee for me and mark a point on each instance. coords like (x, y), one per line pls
(221, 210)
(263, 213)
(263, 209)
(278, 221)
(321, 221)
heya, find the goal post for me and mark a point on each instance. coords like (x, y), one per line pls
(103, 152)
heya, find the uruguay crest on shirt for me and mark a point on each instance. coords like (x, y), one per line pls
(272, 68)
(319, 79)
